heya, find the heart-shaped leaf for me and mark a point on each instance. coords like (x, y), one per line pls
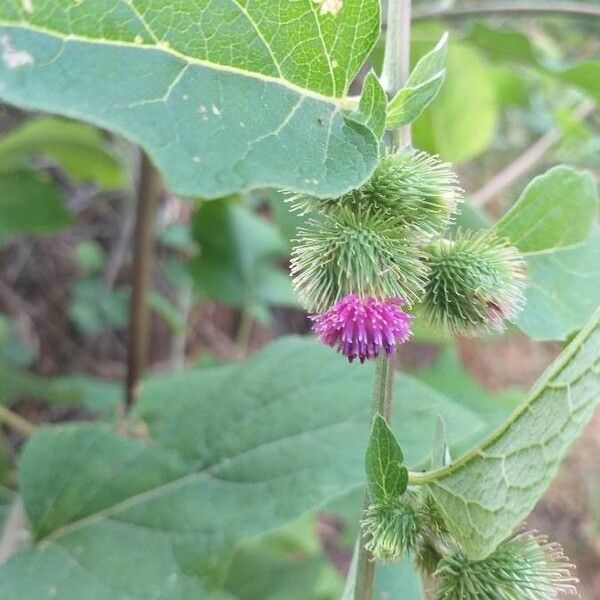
(229, 452)
(224, 95)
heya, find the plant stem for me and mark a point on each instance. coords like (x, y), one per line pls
(574, 9)
(148, 186)
(396, 68)
(14, 527)
(244, 332)
(16, 422)
(396, 62)
(382, 404)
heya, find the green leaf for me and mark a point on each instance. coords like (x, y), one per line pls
(486, 494)
(422, 87)
(372, 109)
(460, 124)
(288, 564)
(556, 209)
(167, 311)
(30, 204)
(470, 217)
(79, 149)
(562, 290)
(399, 580)
(387, 478)
(238, 254)
(100, 396)
(285, 432)
(96, 308)
(223, 96)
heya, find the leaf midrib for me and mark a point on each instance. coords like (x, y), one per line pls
(189, 60)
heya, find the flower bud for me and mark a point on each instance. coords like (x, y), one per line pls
(433, 535)
(476, 282)
(525, 567)
(356, 252)
(390, 530)
(414, 188)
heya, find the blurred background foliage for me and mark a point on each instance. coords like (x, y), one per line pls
(519, 98)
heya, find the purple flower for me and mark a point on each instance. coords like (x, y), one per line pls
(361, 328)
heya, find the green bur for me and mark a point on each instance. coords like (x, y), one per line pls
(475, 284)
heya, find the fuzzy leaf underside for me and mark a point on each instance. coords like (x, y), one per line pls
(486, 494)
(224, 453)
(224, 96)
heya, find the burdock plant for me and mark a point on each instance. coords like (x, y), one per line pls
(365, 265)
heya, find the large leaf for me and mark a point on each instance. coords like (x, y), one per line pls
(233, 451)
(224, 96)
(79, 149)
(556, 209)
(551, 224)
(563, 288)
(30, 203)
(288, 564)
(486, 494)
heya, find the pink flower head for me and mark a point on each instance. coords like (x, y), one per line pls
(361, 328)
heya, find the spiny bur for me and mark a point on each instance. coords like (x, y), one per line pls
(476, 283)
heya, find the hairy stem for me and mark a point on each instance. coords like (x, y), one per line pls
(396, 68)
(396, 63)
(16, 422)
(142, 265)
(474, 9)
(382, 404)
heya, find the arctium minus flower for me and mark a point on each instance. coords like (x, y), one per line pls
(526, 567)
(363, 328)
(476, 282)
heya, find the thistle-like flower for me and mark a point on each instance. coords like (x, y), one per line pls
(363, 328)
(390, 530)
(526, 567)
(476, 282)
(356, 252)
